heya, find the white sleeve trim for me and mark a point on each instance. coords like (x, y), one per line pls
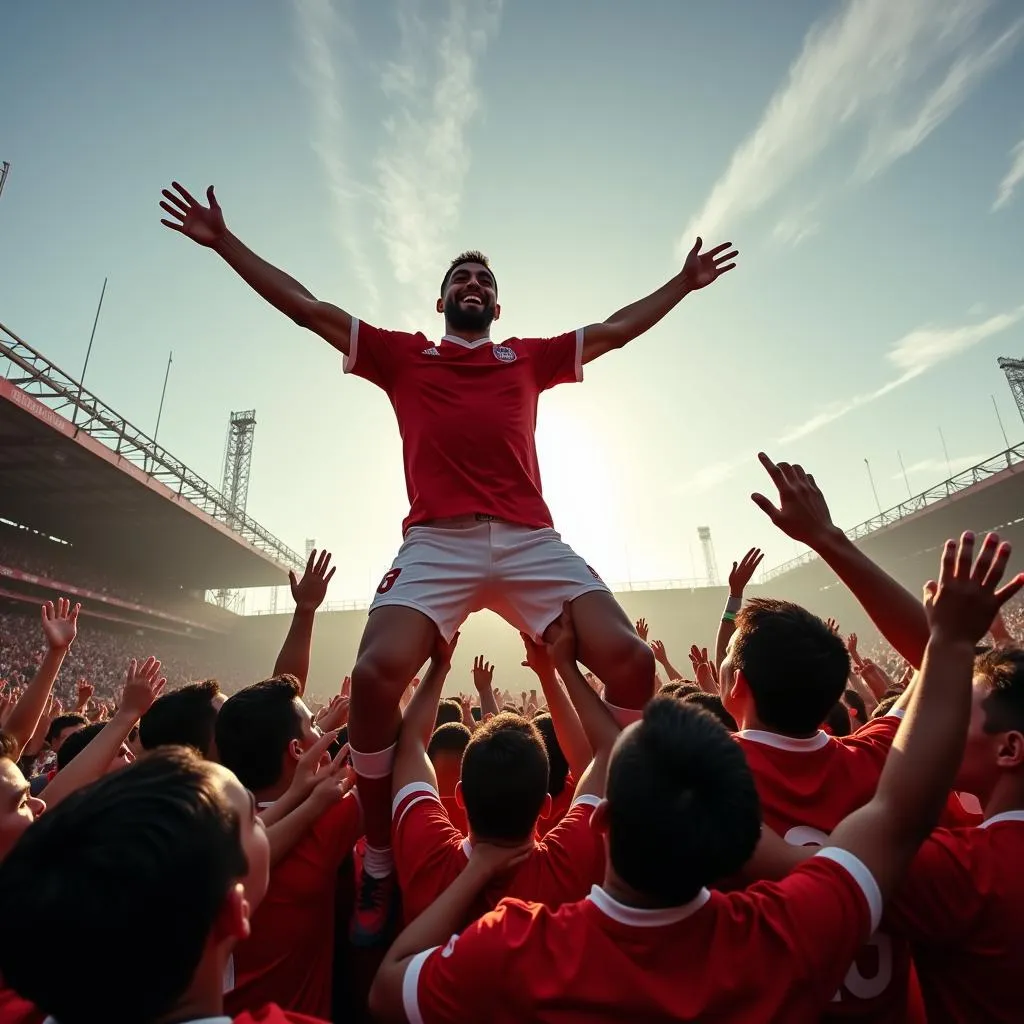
(895, 713)
(580, 331)
(586, 800)
(411, 985)
(860, 873)
(348, 362)
(425, 789)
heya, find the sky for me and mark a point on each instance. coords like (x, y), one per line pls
(866, 157)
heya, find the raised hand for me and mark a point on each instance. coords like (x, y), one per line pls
(561, 639)
(658, 650)
(489, 861)
(802, 512)
(851, 646)
(334, 781)
(85, 692)
(483, 673)
(142, 685)
(60, 623)
(538, 659)
(444, 651)
(202, 224)
(962, 605)
(704, 671)
(700, 269)
(743, 571)
(336, 714)
(642, 629)
(309, 592)
(833, 626)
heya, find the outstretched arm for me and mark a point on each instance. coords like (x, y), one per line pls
(206, 226)
(309, 594)
(639, 317)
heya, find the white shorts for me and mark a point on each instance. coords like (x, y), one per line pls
(521, 573)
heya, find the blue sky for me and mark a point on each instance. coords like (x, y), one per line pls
(867, 157)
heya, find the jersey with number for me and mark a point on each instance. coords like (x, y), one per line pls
(467, 413)
(430, 854)
(807, 787)
(771, 953)
(961, 906)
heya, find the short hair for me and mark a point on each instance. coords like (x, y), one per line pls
(448, 710)
(157, 844)
(9, 746)
(884, 706)
(795, 666)
(679, 689)
(450, 738)
(838, 720)
(254, 728)
(469, 256)
(62, 722)
(855, 702)
(683, 810)
(505, 778)
(712, 703)
(76, 743)
(1003, 668)
(558, 765)
(184, 717)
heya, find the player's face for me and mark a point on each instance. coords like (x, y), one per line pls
(731, 694)
(252, 833)
(17, 808)
(310, 732)
(470, 302)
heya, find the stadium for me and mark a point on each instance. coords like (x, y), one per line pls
(94, 509)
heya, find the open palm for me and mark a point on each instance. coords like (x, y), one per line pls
(203, 224)
(701, 268)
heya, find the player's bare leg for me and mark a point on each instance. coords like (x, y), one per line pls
(610, 648)
(397, 641)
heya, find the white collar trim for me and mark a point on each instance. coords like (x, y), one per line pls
(794, 743)
(1005, 816)
(466, 344)
(642, 917)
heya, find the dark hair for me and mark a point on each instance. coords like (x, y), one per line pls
(884, 706)
(558, 766)
(8, 746)
(795, 666)
(683, 810)
(858, 709)
(159, 845)
(504, 778)
(62, 722)
(469, 256)
(1003, 669)
(838, 720)
(450, 738)
(712, 703)
(76, 743)
(184, 717)
(448, 710)
(254, 728)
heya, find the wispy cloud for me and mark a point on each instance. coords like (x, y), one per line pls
(1014, 176)
(871, 57)
(796, 227)
(422, 167)
(939, 468)
(321, 32)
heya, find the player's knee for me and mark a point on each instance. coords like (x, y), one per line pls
(379, 678)
(629, 679)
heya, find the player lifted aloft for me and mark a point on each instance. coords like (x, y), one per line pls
(478, 534)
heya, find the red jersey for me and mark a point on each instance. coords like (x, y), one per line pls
(467, 413)
(430, 854)
(772, 953)
(272, 1014)
(807, 787)
(15, 1010)
(288, 958)
(961, 905)
(456, 814)
(559, 806)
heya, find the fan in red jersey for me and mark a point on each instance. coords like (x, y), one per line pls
(479, 534)
(163, 862)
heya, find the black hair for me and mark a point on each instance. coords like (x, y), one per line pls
(795, 666)
(157, 845)
(255, 727)
(1003, 668)
(448, 710)
(558, 765)
(62, 722)
(8, 746)
(76, 743)
(504, 778)
(184, 717)
(450, 738)
(838, 720)
(712, 703)
(683, 810)
(469, 256)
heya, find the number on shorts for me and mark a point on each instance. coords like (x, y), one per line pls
(390, 578)
(593, 572)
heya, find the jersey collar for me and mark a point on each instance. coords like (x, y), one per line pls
(798, 744)
(1005, 816)
(642, 917)
(464, 343)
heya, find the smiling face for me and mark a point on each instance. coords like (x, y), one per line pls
(469, 300)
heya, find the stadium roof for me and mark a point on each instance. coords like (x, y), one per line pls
(73, 468)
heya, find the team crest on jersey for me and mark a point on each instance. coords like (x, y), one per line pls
(430, 352)
(504, 354)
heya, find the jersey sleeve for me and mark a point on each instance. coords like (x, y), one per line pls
(376, 355)
(873, 740)
(938, 900)
(476, 971)
(556, 360)
(573, 856)
(426, 847)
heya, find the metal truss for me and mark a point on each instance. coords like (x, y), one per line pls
(991, 467)
(34, 374)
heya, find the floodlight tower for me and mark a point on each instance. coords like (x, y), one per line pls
(710, 564)
(5, 168)
(1014, 370)
(235, 486)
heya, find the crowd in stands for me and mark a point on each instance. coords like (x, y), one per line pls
(745, 849)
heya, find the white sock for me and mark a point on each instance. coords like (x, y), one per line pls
(378, 862)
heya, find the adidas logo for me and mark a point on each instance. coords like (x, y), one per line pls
(430, 352)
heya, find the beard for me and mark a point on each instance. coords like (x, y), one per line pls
(462, 319)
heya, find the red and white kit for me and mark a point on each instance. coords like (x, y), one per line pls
(478, 534)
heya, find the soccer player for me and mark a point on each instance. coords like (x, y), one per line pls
(653, 943)
(478, 534)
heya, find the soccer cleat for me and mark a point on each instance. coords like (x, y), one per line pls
(376, 915)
